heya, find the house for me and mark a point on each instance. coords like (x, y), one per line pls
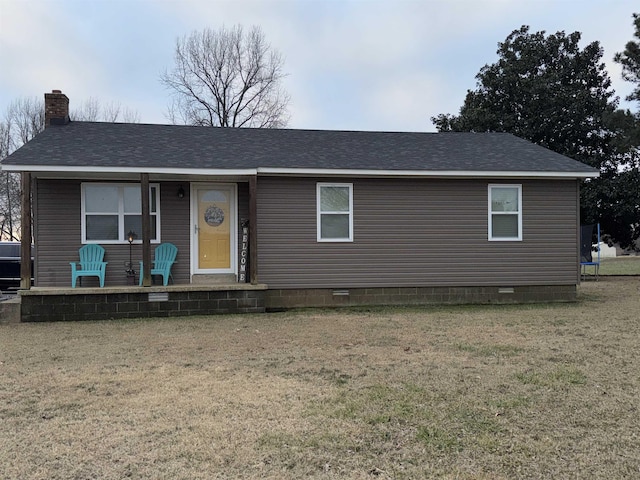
(311, 217)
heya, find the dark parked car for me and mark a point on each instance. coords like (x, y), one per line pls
(10, 265)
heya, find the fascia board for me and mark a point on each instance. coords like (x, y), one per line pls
(423, 173)
(132, 170)
(304, 172)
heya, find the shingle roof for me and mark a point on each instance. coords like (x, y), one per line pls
(115, 145)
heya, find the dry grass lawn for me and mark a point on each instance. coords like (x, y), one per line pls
(619, 266)
(480, 392)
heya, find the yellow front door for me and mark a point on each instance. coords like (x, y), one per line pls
(214, 227)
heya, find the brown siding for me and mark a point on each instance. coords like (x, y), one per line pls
(175, 221)
(415, 233)
(58, 234)
(441, 240)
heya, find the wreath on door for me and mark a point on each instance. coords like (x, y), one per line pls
(214, 215)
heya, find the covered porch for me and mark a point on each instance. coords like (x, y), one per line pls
(179, 212)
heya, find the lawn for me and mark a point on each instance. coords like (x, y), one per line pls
(469, 392)
(619, 266)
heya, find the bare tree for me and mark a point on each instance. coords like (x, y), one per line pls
(6, 180)
(23, 120)
(90, 110)
(227, 78)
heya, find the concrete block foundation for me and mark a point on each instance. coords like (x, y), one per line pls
(294, 298)
(51, 305)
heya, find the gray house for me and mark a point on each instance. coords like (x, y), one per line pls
(329, 217)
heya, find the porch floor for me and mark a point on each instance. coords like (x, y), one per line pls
(110, 290)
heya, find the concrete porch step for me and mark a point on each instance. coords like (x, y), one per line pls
(10, 311)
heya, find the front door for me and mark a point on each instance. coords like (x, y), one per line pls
(214, 229)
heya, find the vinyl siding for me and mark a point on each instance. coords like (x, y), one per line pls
(406, 233)
(57, 234)
(416, 233)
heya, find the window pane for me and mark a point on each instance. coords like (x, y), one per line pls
(132, 202)
(102, 227)
(504, 226)
(504, 199)
(134, 223)
(334, 226)
(334, 199)
(213, 196)
(154, 193)
(154, 227)
(101, 198)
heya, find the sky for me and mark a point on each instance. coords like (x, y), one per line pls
(378, 65)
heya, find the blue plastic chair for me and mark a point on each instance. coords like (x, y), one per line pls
(164, 256)
(91, 264)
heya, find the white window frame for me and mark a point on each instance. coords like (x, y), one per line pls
(122, 235)
(517, 238)
(320, 213)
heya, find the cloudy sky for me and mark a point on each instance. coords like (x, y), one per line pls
(352, 65)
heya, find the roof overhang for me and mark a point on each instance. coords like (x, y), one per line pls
(420, 173)
(79, 171)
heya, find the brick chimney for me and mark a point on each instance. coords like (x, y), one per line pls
(56, 108)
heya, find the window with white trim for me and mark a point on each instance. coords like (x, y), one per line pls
(111, 210)
(334, 212)
(505, 212)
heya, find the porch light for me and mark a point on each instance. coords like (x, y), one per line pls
(131, 236)
(180, 192)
